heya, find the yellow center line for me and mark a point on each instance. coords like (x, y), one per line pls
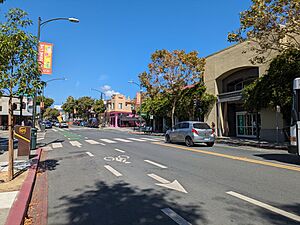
(244, 159)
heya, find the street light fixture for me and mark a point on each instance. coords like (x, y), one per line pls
(140, 86)
(40, 24)
(93, 89)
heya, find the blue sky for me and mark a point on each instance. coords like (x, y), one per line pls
(115, 38)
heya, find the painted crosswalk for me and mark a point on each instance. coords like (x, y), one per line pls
(102, 141)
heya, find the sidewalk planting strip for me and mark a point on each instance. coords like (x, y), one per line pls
(156, 164)
(175, 217)
(265, 206)
(113, 171)
(244, 159)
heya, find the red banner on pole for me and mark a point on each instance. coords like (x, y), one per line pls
(45, 57)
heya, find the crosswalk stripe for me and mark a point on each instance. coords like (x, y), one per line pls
(122, 140)
(56, 145)
(90, 154)
(47, 148)
(92, 142)
(150, 139)
(135, 139)
(76, 144)
(108, 141)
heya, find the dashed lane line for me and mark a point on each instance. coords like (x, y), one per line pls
(265, 206)
(119, 150)
(90, 154)
(156, 164)
(175, 217)
(113, 171)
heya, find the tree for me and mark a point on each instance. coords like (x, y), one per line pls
(19, 73)
(51, 113)
(275, 88)
(99, 106)
(84, 105)
(169, 72)
(47, 101)
(272, 24)
(70, 105)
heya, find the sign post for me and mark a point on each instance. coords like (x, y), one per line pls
(23, 134)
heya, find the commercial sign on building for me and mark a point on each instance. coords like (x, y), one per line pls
(45, 57)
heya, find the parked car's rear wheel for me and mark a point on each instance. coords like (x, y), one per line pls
(210, 144)
(167, 139)
(189, 142)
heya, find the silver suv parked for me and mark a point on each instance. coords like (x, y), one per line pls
(191, 132)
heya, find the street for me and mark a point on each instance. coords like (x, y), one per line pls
(113, 177)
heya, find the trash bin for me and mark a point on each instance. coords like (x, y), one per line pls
(33, 138)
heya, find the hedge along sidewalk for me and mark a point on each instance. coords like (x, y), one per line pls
(18, 211)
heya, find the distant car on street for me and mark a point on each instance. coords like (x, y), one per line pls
(191, 132)
(93, 122)
(63, 124)
(47, 124)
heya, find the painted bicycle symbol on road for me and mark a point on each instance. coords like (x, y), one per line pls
(120, 158)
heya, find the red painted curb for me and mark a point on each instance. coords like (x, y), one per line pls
(19, 208)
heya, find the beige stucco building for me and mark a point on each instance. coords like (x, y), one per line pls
(226, 73)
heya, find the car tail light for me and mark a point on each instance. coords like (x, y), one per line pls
(195, 131)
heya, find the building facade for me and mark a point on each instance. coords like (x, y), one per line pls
(4, 108)
(120, 111)
(227, 72)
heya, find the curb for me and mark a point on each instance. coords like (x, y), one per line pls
(257, 145)
(146, 133)
(19, 208)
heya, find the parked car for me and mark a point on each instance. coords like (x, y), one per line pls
(47, 124)
(93, 122)
(64, 124)
(191, 132)
(83, 123)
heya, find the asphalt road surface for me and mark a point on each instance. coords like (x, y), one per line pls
(113, 177)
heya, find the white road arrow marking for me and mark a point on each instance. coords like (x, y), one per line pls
(175, 185)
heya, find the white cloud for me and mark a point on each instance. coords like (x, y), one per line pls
(108, 91)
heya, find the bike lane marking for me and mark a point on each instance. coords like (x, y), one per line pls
(113, 171)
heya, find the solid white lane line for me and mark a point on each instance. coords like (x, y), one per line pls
(150, 139)
(113, 171)
(158, 178)
(122, 140)
(119, 150)
(156, 164)
(108, 141)
(136, 139)
(76, 144)
(174, 216)
(102, 144)
(265, 206)
(56, 145)
(90, 154)
(92, 142)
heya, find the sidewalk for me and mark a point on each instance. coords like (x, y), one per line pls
(249, 142)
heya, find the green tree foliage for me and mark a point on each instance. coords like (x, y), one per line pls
(47, 101)
(275, 88)
(272, 24)
(19, 73)
(169, 72)
(84, 105)
(51, 113)
(98, 106)
(70, 105)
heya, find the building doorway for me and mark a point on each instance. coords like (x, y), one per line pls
(247, 124)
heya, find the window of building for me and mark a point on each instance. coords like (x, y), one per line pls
(113, 106)
(0, 107)
(120, 105)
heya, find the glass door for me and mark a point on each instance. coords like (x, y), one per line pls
(246, 124)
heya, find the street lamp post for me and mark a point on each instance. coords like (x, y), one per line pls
(140, 86)
(43, 93)
(101, 93)
(40, 24)
(101, 96)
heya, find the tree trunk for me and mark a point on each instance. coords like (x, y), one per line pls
(173, 113)
(10, 140)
